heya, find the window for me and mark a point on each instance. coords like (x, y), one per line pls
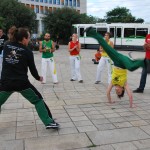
(28, 5)
(102, 31)
(46, 10)
(41, 1)
(62, 2)
(70, 2)
(50, 1)
(118, 34)
(37, 0)
(78, 3)
(45, 1)
(32, 7)
(129, 32)
(66, 2)
(81, 31)
(41, 10)
(141, 32)
(37, 9)
(58, 2)
(50, 9)
(74, 3)
(54, 1)
(112, 32)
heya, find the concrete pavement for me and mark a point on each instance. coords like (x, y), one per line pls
(87, 121)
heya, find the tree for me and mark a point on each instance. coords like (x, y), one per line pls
(15, 13)
(121, 14)
(2, 24)
(60, 22)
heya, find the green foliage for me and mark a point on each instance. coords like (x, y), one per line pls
(2, 24)
(15, 13)
(121, 14)
(60, 22)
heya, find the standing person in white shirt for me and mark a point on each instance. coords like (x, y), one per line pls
(105, 60)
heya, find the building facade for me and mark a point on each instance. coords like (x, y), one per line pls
(41, 7)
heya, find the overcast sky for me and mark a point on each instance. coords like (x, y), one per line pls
(138, 8)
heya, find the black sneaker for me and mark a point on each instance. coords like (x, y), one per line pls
(138, 91)
(81, 81)
(97, 82)
(52, 125)
(72, 80)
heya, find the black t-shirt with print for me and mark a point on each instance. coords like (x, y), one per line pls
(17, 59)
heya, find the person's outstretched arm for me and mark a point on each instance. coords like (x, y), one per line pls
(129, 94)
(108, 93)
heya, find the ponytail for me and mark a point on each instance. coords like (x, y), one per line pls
(17, 34)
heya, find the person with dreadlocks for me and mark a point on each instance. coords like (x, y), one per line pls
(122, 63)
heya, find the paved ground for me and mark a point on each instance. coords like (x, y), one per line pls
(87, 121)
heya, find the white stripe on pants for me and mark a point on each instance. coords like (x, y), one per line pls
(104, 61)
(75, 67)
(51, 64)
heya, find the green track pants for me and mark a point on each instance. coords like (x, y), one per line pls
(119, 60)
(33, 98)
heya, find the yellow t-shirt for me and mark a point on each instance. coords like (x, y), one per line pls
(119, 76)
(104, 54)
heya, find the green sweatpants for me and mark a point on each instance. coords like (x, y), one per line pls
(119, 60)
(33, 98)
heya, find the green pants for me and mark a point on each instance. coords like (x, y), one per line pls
(33, 98)
(119, 60)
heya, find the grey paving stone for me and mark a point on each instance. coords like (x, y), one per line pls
(105, 147)
(27, 122)
(10, 136)
(67, 130)
(94, 117)
(107, 126)
(12, 145)
(7, 130)
(117, 135)
(49, 132)
(146, 129)
(124, 146)
(75, 114)
(78, 118)
(100, 121)
(142, 144)
(83, 123)
(25, 135)
(122, 124)
(67, 125)
(139, 123)
(64, 142)
(116, 119)
(26, 128)
(87, 128)
(111, 115)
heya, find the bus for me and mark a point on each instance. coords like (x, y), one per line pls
(126, 36)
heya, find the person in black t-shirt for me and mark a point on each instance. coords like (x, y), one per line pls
(17, 59)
